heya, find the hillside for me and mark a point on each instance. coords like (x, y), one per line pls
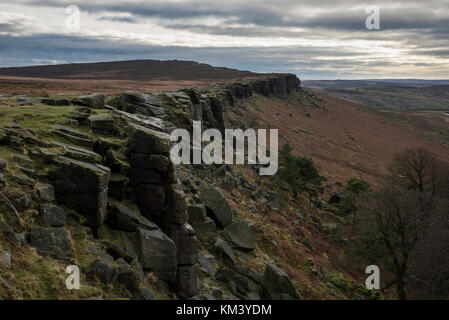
(87, 180)
(404, 95)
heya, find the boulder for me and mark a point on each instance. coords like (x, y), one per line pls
(53, 215)
(102, 124)
(277, 284)
(206, 227)
(157, 252)
(123, 218)
(243, 283)
(95, 101)
(46, 192)
(224, 251)
(23, 203)
(127, 276)
(141, 103)
(240, 235)
(5, 258)
(3, 164)
(148, 141)
(105, 269)
(9, 234)
(83, 187)
(57, 101)
(197, 213)
(206, 263)
(214, 200)
(51, 241)
(146, 294)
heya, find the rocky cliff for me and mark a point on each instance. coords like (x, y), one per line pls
(88, 181)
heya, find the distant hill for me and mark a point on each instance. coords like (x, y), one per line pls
(336, 84)
(136, 70)
(407, 95)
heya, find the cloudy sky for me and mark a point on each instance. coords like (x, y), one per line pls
(316, 39)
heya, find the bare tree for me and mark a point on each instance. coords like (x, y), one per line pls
(404, 215)
(418, 169)
(401, 221)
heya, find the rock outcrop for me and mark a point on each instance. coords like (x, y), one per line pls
(109, 190)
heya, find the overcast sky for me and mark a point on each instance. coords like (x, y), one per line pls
(316, 39)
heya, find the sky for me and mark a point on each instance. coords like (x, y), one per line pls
(315, 39)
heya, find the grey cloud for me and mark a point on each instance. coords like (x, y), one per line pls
(413, 26)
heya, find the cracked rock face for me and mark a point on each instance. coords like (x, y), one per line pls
(83, 187)
(157, 253)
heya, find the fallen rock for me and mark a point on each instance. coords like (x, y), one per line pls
(213, 198)
(5, 258)
(197, 213)
(146, 294)
(127, 276)
(10, 235)
(243, 284)
(23, 203)
(240, 235)
(206, 227)
(224, 250)
(53, 215)
(58, 101)
(105, 269)
(95, 101)
(46, 192)
(157, 252)
(206, 263)
(277, 284)
(51, 241)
